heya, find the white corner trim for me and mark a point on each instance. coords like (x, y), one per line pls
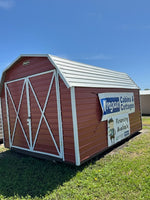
(75, 126)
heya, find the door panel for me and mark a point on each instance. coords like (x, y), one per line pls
(43, 100)
(17, 106)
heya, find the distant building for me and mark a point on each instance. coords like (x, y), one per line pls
(145, 102)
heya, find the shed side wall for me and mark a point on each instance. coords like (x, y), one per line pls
(92, 131)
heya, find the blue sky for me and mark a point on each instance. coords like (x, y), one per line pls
(114, 34)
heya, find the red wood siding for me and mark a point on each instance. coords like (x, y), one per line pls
(67, 123)
(92, 131)
(36, 65)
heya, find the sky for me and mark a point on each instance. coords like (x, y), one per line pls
(113, 34)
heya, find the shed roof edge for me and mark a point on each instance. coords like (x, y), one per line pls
(59, 71)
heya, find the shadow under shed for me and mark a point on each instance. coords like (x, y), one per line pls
(24, 175)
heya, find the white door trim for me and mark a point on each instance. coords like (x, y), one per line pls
(35, 151)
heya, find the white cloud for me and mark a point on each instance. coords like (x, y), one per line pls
(98, 57)
(6, 4)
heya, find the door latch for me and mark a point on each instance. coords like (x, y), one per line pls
(29, 121)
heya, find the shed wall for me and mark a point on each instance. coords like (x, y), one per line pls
(38, 65)
(91, 130)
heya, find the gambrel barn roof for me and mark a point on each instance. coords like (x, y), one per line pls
(76, 74)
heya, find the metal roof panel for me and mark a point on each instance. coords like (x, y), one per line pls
(82, 75)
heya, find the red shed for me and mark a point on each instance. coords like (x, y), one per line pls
(64, 109)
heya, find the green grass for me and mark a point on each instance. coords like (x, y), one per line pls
(146, 127)
(124, 173)
(146, 120)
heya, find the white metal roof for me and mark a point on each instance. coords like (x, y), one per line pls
(145, 92)
(76, 74)
(82, 75)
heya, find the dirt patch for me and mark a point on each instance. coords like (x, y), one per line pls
(145, 131)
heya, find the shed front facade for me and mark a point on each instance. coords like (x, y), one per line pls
(145, 102)
(52, 107)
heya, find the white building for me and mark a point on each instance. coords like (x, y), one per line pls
(145, 102)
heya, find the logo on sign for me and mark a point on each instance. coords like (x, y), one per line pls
(110, 105)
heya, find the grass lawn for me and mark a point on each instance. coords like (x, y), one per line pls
(146, 120)
(124, 173)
